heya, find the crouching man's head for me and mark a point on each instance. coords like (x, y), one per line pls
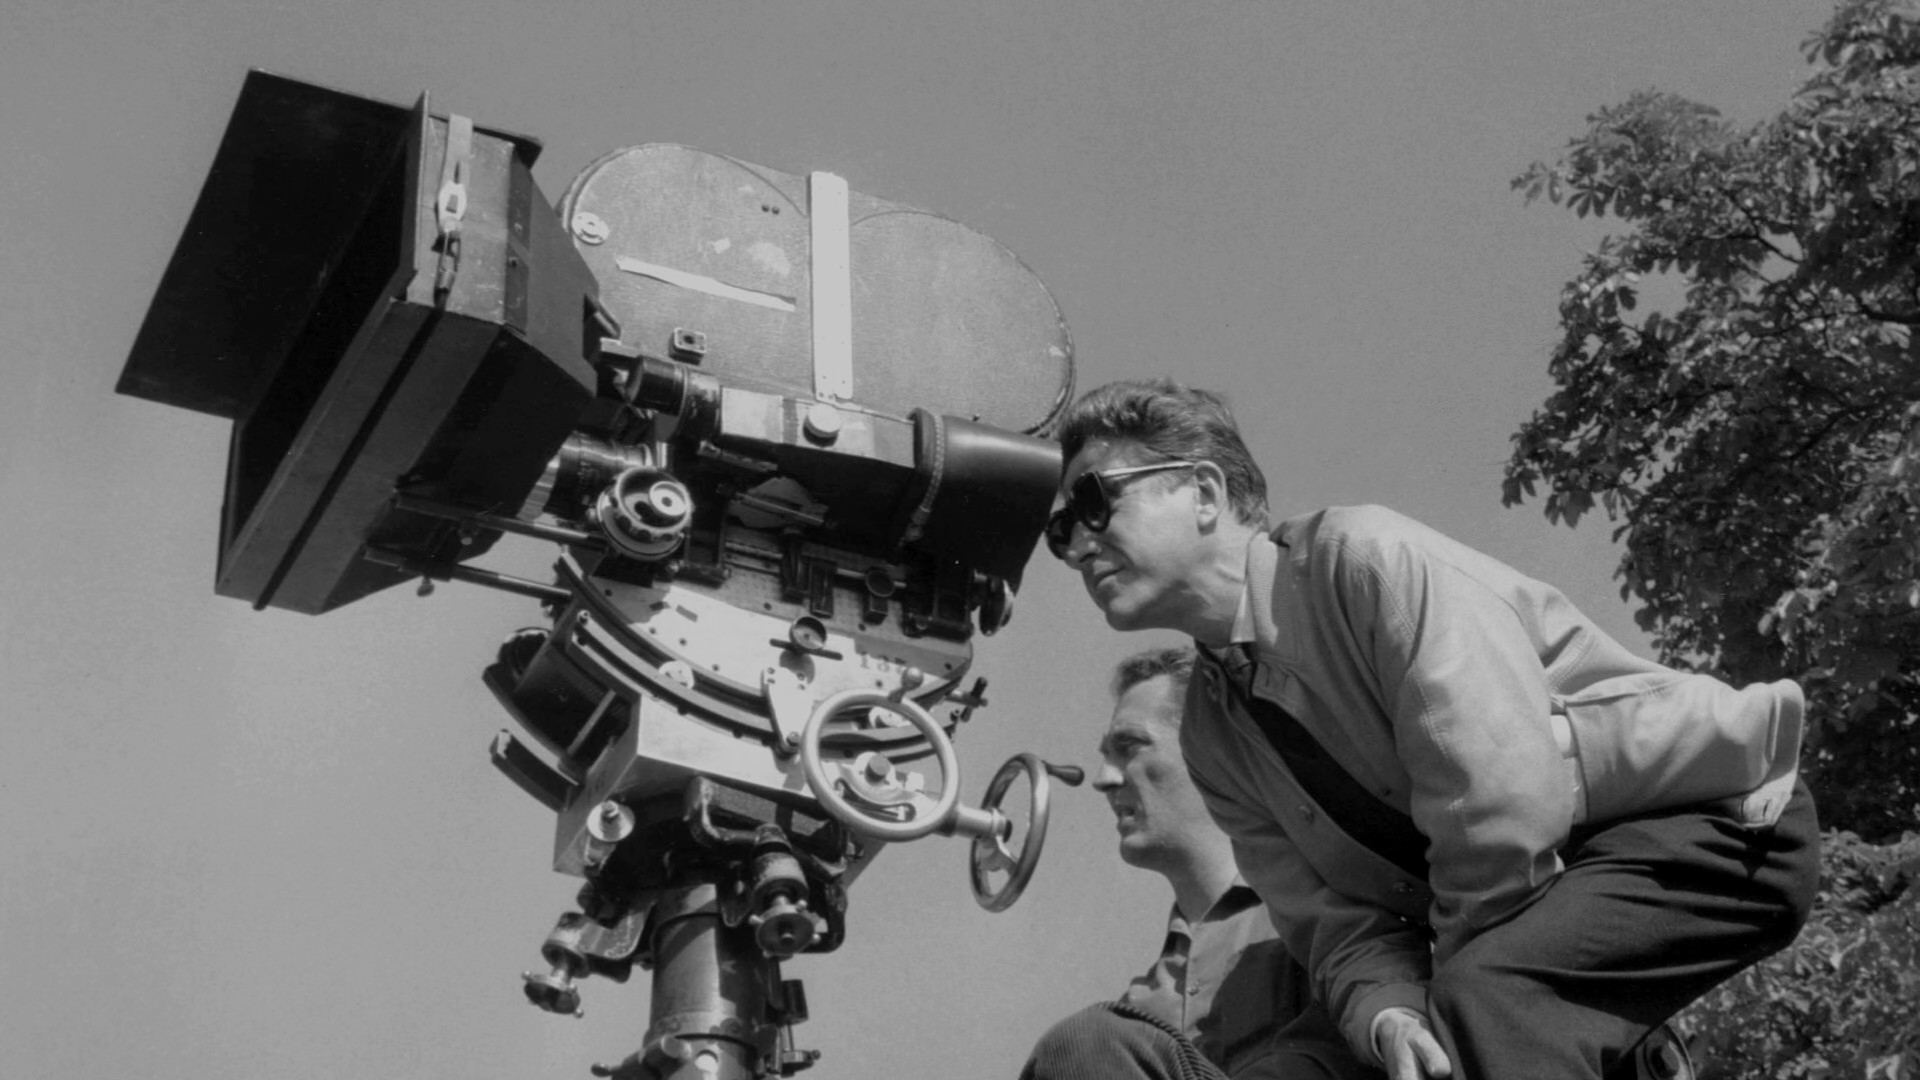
(1163, 824)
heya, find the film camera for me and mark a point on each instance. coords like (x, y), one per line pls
(789, 440)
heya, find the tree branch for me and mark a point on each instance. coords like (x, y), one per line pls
(1887, 316)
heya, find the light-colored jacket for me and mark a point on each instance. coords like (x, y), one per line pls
(1474, 699)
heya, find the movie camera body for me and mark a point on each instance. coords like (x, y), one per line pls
(789, 439)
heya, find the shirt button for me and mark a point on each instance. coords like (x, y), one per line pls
(1306, 811)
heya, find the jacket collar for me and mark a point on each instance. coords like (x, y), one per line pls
(1263, 566)
(1270, 608)
(1253, 622)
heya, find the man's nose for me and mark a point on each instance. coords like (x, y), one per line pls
(1106, 778)
(1080, 545)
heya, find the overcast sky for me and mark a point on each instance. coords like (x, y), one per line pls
(236, 845)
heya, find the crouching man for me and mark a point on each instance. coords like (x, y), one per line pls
(1502, 844)
(1224, 999)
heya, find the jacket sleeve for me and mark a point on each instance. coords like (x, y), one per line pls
(1451, 639)
(1361, 958)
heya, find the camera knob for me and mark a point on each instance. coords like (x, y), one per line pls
(822, 425)
(555, 993)
(784, 928)
(645, 513)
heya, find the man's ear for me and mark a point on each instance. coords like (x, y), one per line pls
(1210, 496)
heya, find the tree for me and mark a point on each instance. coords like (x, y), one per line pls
(1753, 427)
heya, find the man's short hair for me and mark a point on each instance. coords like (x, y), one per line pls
(1175, 662)
(1173, 421)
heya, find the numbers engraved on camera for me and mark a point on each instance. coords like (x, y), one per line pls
(883, 665)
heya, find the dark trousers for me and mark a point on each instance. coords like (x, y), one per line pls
(1114, 1042)
(1651, 913)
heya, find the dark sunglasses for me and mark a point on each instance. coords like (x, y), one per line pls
(1090, 502)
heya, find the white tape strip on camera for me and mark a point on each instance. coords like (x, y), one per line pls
(831, 256)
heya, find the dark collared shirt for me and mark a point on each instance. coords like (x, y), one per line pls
(1228, 984)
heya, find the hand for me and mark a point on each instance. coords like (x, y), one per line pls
(1407, 1047)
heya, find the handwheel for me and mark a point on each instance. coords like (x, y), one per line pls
(927, 814)
(989, 852)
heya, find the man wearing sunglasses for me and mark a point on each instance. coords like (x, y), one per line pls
(1500, 843)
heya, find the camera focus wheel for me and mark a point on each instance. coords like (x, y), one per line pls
(989, 852)
(876, 782)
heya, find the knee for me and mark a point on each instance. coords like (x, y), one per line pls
(1796, 869)
(1796, 911)
(1782, 925)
